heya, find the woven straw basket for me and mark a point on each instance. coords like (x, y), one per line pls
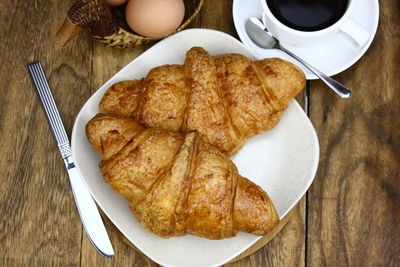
(108, 25)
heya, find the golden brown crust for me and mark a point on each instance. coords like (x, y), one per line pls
(226, 98)
(212, 193)
(141, 161)
(163, 211)
(250, 106)
(178, 184)
(283, 79)
(250, 202)
(163, 102)
(122, 98)
(109, 134)
(206, 111)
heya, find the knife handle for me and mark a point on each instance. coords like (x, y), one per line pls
(85, 204)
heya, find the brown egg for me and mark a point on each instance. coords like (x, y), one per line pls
(116, 2)
(154, 18)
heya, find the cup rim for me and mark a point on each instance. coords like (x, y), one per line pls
(334, 26)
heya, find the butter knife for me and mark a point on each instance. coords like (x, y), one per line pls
(85, 204)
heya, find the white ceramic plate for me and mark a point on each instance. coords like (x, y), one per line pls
(282, 161)
(331, 57)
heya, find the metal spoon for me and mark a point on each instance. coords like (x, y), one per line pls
(263, 38)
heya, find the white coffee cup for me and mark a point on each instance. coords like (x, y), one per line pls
(290, 36)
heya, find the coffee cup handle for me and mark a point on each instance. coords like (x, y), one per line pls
(355, 32)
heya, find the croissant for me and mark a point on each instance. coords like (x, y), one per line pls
(176, 183)
(227, 98)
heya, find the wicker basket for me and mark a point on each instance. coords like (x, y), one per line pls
(108, 25)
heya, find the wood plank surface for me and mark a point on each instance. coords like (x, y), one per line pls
(39, 224)
(354, 203)
(351, 218)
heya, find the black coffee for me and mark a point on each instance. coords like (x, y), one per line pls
(308, 15)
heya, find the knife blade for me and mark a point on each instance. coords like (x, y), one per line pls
(85, 204)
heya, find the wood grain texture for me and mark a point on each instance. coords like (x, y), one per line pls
(39, 224)
(354, 203)
(217, 15)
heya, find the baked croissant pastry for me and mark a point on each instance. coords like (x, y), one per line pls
(176, 183)
(227, 98)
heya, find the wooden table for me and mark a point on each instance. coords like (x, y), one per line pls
(350, 216)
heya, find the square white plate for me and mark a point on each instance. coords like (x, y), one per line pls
(282, 161)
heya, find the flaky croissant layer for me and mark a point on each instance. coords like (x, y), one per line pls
(227, 98)
(176, 183)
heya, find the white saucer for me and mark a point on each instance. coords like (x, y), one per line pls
(331, 57)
